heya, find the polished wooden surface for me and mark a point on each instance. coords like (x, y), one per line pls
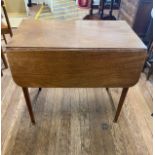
(75, 54)
(76, 121)
(76, 69)
(75, 34)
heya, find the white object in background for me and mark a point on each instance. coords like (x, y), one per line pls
(96, 2)
(152, 13)
(38, 1)
(50, 4)
(27, 9)
(47, 2)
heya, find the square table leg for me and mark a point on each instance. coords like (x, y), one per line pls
(28, 102)
(121, 102)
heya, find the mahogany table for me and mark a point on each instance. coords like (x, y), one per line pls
(75, 54)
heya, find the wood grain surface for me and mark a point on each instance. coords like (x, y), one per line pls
(76, 69)
(75, 54)
(75, 34)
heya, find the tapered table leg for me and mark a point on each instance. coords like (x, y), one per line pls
(3, 58)
(4, 38)
(28, 102)
(121, 102)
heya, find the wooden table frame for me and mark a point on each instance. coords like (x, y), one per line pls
(88, 60)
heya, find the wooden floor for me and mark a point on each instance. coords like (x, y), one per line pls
(76, 121)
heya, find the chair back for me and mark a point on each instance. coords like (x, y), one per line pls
(96, 16)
